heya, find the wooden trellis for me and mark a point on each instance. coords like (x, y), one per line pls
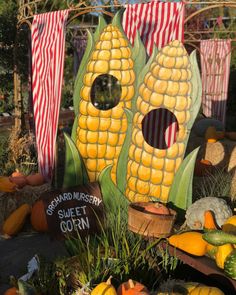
(195, 11)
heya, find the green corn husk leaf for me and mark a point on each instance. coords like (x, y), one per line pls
(101, 25)
(116, 21)
(26, 289)
(81, 72)
(74, 128)
(142, 72)
(195, 95)
(110, 191)
(139, 54)
(196, 91)
(75, 172)
(123, 157)
(180, 197)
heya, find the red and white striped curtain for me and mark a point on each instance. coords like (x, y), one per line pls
(215, 65)
(48, 46)
(157, 22)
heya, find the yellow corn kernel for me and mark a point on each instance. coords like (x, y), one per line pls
(169, 101)
(181, 103)
(165, 193)
(106, 36)
(85, 93)
(93, 123)
(104, 55)
(144, 173)
(146, 158)
(112, 138)
(116, 53)
(169, 62)
(102, 137)
(101, 66)
(83, 149)
(165, 74)
(176, 75)
(161, 86)
(142, 187)
(132, 183)
(173, 88)
(168, 178)
(82, 122)
(115, 43)
(156, 99)
(172, 152)
(169, 165)
(157, 163)
(92, 137)
(104, 124)
(156, 176)
(92, 150)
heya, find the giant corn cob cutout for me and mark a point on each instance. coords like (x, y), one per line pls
(101, 133)
(110, 143)
(167, 85)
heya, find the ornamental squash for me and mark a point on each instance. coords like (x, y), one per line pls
(14, 223)
(219, 238)
(132, 288)
(38, 217)
(190, 242)
(230, 265)
(222, 253)
(206, 291)
(104, 288)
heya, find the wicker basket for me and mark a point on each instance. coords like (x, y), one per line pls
(149, 224)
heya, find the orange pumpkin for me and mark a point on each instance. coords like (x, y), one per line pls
(17, 173)
(132, 288)
(38, 217)
(157, 208)
(11, 291)
(20, 181)
(35, 179)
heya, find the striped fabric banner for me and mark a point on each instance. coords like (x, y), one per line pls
(215, 64)
(48, 46)
(157, 22)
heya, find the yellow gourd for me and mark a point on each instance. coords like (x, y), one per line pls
(222, 253)
(104, 288)
(190, 242)
(205, 290)
(230, 225)
(14, 223)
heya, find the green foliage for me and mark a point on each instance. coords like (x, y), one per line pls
(117, 252)
(180, 196)
(216, 184)
(75, 173)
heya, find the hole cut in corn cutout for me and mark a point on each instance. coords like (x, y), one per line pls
(142, 156)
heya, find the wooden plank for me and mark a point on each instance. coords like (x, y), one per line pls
(204, 265)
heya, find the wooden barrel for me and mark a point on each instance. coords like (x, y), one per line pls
(149, 224)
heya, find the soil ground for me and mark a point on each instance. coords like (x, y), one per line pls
(16, 252)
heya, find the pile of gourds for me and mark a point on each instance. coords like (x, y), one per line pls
(216, 242)
(18, 180)
(135, 288)
(16, 220)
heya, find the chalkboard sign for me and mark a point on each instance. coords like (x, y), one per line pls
(74, 210)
